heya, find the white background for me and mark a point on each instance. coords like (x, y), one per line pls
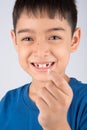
(11, 74)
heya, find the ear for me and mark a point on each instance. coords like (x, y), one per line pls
(13, 35)
(75, 40)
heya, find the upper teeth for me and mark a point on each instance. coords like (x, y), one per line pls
(43, 65)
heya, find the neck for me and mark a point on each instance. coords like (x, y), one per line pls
(34, 89)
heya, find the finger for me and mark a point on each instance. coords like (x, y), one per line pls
(55, 92)
(47, 97)
(52, 89)
(41, 104)
(61, 99)
(60, 83)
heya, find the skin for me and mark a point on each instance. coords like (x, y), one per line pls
(41, 40)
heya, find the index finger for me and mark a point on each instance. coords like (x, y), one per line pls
(60, 83)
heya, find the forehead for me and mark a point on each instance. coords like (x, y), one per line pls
(41, 20)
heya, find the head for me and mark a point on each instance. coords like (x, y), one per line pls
(45, 34)
(63, 8)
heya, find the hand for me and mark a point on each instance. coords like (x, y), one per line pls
(53, 102)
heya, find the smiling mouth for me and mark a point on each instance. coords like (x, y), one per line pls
(43, 65)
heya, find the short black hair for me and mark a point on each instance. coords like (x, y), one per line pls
(64, 8)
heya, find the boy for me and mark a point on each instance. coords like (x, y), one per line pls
(44, 35)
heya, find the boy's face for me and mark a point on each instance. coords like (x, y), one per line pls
(43, 43)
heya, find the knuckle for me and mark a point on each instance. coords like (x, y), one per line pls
(48, 84)
(43, 119)
(42, 90)
(62, 83)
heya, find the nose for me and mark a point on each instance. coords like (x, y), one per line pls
(41, 49)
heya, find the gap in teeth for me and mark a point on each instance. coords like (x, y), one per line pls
(43, 65)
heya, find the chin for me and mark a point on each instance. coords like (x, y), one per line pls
(40, 76)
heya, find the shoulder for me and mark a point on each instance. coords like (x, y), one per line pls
(11, 97)
(15, 92)
(9, 106)
(79, 88)
(79, 92)
(77, 114)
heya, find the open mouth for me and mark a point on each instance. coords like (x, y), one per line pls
(43, 66)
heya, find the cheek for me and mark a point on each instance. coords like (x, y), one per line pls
(62, 55)
(23, 55)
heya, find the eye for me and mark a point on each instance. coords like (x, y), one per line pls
(54, 37)
(27, 39)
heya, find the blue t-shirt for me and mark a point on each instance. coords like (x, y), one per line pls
(18, 112)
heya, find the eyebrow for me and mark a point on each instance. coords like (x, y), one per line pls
(55, 29)
(25, 30)
(48, 30)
